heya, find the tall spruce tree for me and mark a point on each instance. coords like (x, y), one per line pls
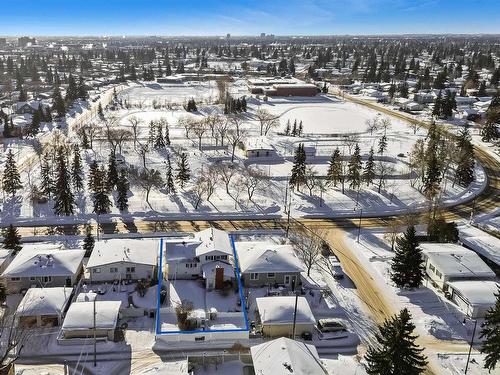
(407, 268)
(169, 186)
(59, 105)
(354, 169)
(183, 173)
(11, 180)
(94, 177)
(464, 172)
(112, 175)
(122, 188)
(64, 200)
(102, 203)
(47, 183)
(369, 169)
(396, 352)
(298, 177)
(490, 333)
(12, 239)
(76, 169)
(88, 242)
(382, 144)
(334, 173)
(159, 140)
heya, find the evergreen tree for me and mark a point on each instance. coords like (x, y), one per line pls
(159, 141)
(482, 89)
(369, 169)
(298, 177)
(382, 144)
(354, 169)
(489, 132)
(288, 128)
(436, 111)
(23, 96)
(76, 169)
(64, 199)
(12, 239)
(88, 243)
(112, 175)
(334, 173)
(396, 352)
(152, 133)
(464, 173)
(100, 112)
(11, 180)
(167, 135)
(407, 269)
(82, 89)
(94, 177)
(490, 332)
(47, 183)
(102, 204)
(170, 187)
(59, 105)
(72, 90)
(122, 188)
(183, 172)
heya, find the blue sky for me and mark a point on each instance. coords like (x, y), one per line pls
(247, 17)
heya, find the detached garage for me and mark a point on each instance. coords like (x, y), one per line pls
(276, 316)
(43, 307)
(474, 297)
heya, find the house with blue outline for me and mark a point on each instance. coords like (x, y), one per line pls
(208, 255)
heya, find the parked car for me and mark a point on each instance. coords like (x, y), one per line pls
(331, 325)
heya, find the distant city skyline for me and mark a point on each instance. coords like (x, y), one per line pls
(248, 17)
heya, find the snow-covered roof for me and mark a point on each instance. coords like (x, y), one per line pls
(257, 143)
(80, 315)
(261, 257)
(181, 249)
(137, 251)
(44, 260)
(456, 261)
(477, 292)
(280, 309)
(286, 356)
(44, 301)
(481, 242)
(213, 240)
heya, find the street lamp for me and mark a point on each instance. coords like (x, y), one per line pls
(470, 347)
(359, 224)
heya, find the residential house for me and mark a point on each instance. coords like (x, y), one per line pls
(474, 297)
(276, 315)
(123, 259)
(446, 262)
(43, 307)
(266, 264)
(43, 265)
(286, 356)
(208, 254)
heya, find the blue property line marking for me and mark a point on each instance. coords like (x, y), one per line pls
(240, 287)
(158, 294)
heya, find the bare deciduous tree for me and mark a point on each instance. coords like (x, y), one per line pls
(308, 246)
(226, 172)
(351, 140)
(311, 178)
(235, 134)
(12, 338)
(383, 169)
(252, 179)
(147, 179)
(135, 122)
(267, 120)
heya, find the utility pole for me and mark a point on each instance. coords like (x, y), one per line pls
(95, 339)
(470, 347)
(295, 310)
(359, 224)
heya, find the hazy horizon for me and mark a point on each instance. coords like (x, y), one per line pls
(248, 18)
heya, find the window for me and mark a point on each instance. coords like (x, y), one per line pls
(432, 268)
(32, 278)
(439, 274)
(254, 276)
(209, 257)
(224, 257)
(15, 278)
(96, 270)
(200, 338)
(130, 269)
(271, 275)
(113, 270)
(47, 279)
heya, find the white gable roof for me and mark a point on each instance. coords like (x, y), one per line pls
(261, 257)
(279, 310)
(477, 292)
(137, 251)
(456, 261)
(44, 260)
(213, 240)
(44, 301)
(285, 356)
(80, 315)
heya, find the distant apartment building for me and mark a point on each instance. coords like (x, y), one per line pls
(3, 42)
(25, 41)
